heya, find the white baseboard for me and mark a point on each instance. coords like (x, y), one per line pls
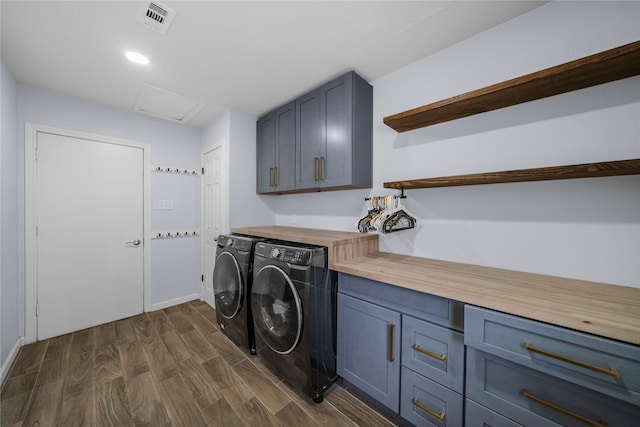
(8, 362)
(175, 301)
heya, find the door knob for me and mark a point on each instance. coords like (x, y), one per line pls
(134, 243)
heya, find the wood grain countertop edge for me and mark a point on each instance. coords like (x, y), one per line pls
(606, 310)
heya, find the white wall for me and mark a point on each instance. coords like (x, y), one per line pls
(587, 229)
(11, 277)
(246, 208)
(175, 263)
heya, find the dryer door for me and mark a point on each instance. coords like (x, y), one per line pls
(276, 308)
(227, 285)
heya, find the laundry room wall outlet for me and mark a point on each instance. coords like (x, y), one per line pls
(163, 205)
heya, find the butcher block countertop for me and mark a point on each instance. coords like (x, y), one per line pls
(342, 245)
(606, 310)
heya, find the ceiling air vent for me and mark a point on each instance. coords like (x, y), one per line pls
(156, 16)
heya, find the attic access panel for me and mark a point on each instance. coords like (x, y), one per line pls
(167, 105)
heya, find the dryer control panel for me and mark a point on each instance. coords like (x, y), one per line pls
(289, 255)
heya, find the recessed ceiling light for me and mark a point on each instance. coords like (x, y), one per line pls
(136, 57)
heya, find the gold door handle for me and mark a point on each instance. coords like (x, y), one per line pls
(321, 168)
(390, 334)
(611, 371)
(439, 357)
(567, 412)
(431, 412)
(275, 176)
(270, 177)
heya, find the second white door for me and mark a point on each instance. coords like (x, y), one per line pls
(90, 237)
(213, 216)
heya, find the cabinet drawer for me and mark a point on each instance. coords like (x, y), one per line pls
(434, 352)
(533, 398)
(426, 403)
(607, 366)
(429, 307)
(478, 416)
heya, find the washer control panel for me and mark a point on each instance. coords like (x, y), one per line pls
(239, 243)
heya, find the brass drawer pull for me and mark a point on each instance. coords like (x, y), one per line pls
(431, 412)
(587, 421)
(611, 372)
(275, 176)
(440, 357)
(390, 333)
(271, 177)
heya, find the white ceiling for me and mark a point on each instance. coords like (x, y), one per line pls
(247, 55)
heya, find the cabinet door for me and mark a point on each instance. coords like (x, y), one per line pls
(285, 148)
(266, 149)
(368, 350)
(309, 140)
(337, 112)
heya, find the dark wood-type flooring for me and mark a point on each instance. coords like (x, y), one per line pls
(168, 367)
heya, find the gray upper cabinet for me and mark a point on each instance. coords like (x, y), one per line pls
(334, 135)
(310, 136)
(332, 150)
(276, 150)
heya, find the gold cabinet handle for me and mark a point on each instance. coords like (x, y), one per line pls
(611, 371)
(391, 327)
(431, 412)
(275, 176)
(270, 177)
(321, 169)
(315, 168)
(543, 402)
(440, 357)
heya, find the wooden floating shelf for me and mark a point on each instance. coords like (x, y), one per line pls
(586, 170)
(603, 67)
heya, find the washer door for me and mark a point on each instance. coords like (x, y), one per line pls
(276, 308)
(227, 285)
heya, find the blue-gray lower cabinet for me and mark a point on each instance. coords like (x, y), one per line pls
(398, 346)
(535, 374)
(533, 398)
(369, 349)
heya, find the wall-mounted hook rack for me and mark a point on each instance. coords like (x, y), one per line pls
(173, 234)
(178, 171)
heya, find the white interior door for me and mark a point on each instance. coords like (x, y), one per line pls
(213, 216)
(90, 236)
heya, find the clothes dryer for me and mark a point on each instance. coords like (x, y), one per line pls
(232, 278)
(293, 301)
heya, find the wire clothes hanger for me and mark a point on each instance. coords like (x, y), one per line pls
(386, 214)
